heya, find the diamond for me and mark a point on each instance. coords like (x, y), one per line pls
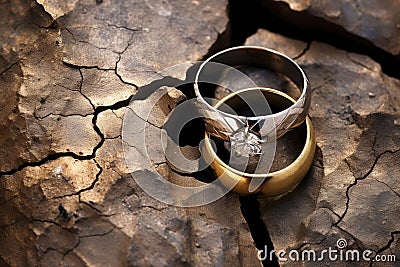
(245, 143)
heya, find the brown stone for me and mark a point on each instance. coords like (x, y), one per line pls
(68, 71)
(376, 21)
(68, 196)
(353, 194)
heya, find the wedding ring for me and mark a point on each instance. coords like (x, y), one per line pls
(275, 183)
(234, 128)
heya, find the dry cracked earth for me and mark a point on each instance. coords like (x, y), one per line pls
(69, 69)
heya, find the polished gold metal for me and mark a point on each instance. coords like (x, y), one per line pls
(276, 183)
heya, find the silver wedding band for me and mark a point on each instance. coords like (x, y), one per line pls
(230, 127)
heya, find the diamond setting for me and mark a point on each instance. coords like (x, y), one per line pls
(245, 143)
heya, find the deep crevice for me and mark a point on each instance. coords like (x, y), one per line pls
(247, 17)
(250, 207)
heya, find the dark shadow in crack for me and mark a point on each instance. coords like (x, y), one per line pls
(275, 16)
(250, 208)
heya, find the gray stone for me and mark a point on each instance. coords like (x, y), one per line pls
(376, 21)
(355, 188)
(382, 201)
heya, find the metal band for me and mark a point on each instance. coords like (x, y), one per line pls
(222, 125)
(270, 184)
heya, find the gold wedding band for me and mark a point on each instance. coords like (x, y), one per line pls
(275, 183)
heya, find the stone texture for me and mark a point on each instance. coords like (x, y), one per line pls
(13, 122)
(68, 198)
(110, 122)
(393, 249)
(102, 88)
(351, 191)
(376, 21)
(68, 70)
(58, 8)
(117, 37)
(274, 41)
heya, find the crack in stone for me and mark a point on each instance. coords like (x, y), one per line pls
(351, 235)
(41, 59)
(359, 179)
(51, 249)
(102, 234)
(125, 28)
(72, 249)
(86, 42)
(8, 68)
(250, 209)
(10, 224)
(61, 115)
(117, 115)
(315, 88)
(46, 159)
(333, 212)
(75, 66)
(88, 204)
(388, 245)
(138, 150)
(306, 49)
(55, 156)
(359, 63)
(279, 17)
(113, 138)
(391, 189)
(90, 187)
(50, 222)
(100, 214)
(116, 69)
(80, 89)
(142, 119)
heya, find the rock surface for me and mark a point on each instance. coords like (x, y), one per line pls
(128, 41)
(351, 191)
(68, 70)
(376, 21)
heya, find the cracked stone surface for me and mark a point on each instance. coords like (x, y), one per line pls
(67, 73)
(68, 70)
(376, 21)
(128, 41)
(352, 189)
(102, 88)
